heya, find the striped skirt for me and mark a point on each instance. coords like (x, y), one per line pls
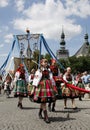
(20, 88)
(45, 92)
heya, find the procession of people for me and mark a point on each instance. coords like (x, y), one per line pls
(45, 86)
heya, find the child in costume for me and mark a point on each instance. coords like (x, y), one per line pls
(20, 89)
(43, 83)
(56, 75)
(7, 87)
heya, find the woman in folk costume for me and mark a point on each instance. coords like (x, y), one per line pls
(67, 92)
(43, 88)
(56, 75)
(20, 89)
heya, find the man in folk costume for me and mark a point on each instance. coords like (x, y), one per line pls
(43, 83)
(56, 75)
(20, 89)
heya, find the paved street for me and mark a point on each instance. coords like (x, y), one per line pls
(12, 118)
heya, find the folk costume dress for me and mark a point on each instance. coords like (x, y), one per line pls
(20, 88)
(68, 92)
(56, 75)
(43, 83)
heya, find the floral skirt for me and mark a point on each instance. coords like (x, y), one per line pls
(20, 88)
(69, 92)
(45, 92)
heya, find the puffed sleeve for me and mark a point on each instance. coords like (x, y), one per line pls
(37, 78)
(64, 77)
(17, 74)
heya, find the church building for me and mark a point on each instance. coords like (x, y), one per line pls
(62, 53)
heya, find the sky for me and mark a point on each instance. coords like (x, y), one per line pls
(47, 17)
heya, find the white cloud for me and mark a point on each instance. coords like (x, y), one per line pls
(3, 3)
(19, 5)
(79, 8)
(48, 18)
(3, 32)
(8, 38)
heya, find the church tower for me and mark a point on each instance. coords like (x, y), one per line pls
(85, 48)
(62, 53)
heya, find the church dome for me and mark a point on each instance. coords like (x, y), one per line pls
(86, 36)
(62, 42)
(86, 39)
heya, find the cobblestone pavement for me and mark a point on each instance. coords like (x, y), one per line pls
(12, 118)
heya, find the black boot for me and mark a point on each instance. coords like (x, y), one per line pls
(53, 107)
(46, 117)
(40, 114)
(21, 107)
(49, 107)
(31, 97)
(18, 104)
(80, 99)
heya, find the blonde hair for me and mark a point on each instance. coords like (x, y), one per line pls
(68, 68)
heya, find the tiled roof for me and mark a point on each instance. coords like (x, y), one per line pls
(83, 51)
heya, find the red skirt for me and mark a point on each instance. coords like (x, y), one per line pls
(45, 92)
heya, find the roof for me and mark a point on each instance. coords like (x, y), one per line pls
(83, 51)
